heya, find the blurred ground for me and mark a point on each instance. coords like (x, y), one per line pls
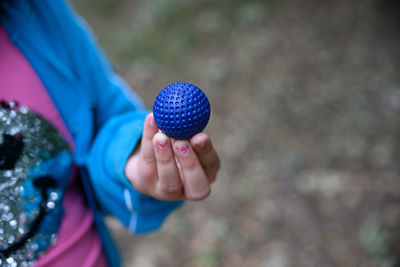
(305, 109)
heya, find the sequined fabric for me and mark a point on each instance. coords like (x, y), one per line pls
(35, 164)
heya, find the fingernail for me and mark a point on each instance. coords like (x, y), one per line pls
(163, 145)
(162, 140)
(183, 149)
(202, 145)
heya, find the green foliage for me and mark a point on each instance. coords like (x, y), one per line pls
(208, 257)
(375, 241)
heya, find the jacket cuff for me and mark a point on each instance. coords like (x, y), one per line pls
(114, 193)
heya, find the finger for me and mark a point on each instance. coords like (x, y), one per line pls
(207, 155)
(147, 161)
(196, 184)
(169, 185)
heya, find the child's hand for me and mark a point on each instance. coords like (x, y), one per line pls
(169, 169)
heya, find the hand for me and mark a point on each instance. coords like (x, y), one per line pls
(169, 169)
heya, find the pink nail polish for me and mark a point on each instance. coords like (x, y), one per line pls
(183, 150)
(163, 145)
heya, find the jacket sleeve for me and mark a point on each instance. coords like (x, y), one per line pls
(119, 117)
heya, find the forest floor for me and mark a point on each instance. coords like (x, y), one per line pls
(305, 99)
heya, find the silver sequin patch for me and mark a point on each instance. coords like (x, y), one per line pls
(40, 171)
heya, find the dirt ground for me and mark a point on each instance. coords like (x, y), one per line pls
(305, 99)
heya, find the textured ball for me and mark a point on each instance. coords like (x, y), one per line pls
(181, 110)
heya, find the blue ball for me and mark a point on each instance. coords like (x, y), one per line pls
(181, 110)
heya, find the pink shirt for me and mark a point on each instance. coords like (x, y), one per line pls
(77, 243)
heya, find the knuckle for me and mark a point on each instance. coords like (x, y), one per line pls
(149, 160)
(190, 166)
(170, 190)
(164, 160)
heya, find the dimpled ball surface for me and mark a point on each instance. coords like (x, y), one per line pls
(181, 110)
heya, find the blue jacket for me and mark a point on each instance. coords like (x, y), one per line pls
(103, 115)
